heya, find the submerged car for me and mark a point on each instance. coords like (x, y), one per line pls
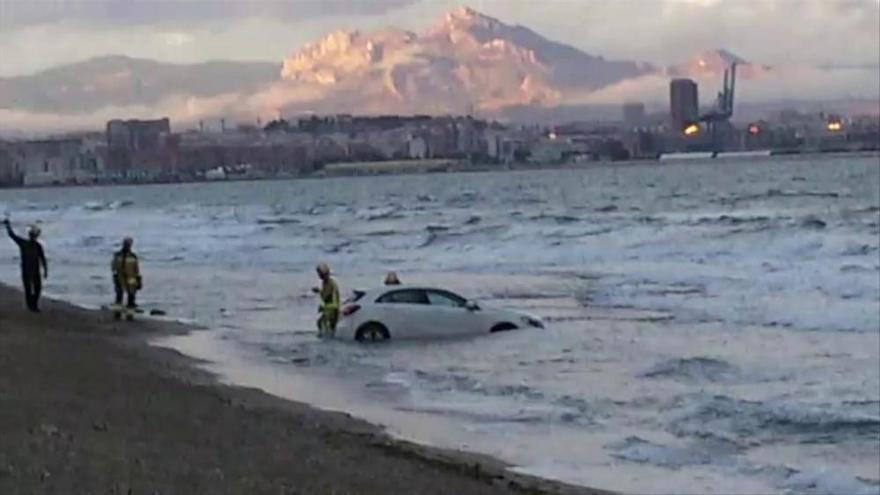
(417, 312)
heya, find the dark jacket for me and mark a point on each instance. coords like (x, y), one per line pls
(32, 256)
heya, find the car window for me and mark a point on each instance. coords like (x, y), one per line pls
(410, 296)
(437, 298)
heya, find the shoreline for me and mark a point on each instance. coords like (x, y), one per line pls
(89, 404)
(463, 169)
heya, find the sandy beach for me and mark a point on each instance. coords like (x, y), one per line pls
(87, 406)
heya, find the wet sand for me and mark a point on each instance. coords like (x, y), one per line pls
(87, 406)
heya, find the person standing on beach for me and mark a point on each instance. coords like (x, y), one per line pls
(329, 306)
(126, 278)
(32, 258)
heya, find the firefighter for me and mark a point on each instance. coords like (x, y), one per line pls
(32, 259)
(329, 302)
(126, 279)
(392, 279)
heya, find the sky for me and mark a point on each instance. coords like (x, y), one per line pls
(37, 34)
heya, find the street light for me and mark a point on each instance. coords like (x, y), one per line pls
(691, 130)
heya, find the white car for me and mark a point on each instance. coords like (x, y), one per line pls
(402, 312)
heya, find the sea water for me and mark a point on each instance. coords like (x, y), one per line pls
(712, 327)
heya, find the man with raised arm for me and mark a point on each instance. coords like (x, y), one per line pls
(32, 259)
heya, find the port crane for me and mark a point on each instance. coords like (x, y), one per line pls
(719, 115)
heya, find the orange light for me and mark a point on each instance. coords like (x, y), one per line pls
(835, 126)
(691, 130)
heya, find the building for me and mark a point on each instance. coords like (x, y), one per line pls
(138, 149)
(133, 135)
(684, 106)
(9, 173)
(47, 161)
(417, 148)
(634, 114)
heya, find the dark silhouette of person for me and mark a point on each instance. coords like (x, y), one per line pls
(32, 258)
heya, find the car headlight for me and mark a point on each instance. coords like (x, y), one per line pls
(532, 322)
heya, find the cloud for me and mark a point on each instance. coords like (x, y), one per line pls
(773, 86)
(23, 13)
(175, 38)
(823, 32)
(39, 34)
(666, 31)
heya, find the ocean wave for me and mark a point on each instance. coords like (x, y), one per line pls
(606, 209)
(520, 416)
(730, 220)
(857, 269)
(386, 213)
(505, 294)
(381, 233)
(473, 220)
(694, 369)
(568, 234)
(441, 233)
(91, 241)
(858, 250)
(813, 222)
(559, 218)
(339, 246)
(735, 419)
(279, 220)
(566, 408)
(827, 481)
(102, 205)
(639, 450)
(775, 193)
(528, 200)
(464, 198)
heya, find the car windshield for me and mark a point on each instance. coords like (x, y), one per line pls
(442, 298)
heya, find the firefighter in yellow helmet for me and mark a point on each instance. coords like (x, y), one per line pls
(329, 305)
(126, 279)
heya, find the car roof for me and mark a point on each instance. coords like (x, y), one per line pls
(380, 291)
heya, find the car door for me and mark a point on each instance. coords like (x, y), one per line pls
(451, 315)
(405, 312)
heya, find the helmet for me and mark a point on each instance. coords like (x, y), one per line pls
(323, 269)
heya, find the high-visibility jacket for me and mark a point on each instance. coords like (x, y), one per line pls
(126, 270)
(329, 296)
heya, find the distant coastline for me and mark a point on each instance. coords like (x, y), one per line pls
(433, 166)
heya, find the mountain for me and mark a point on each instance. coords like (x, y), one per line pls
(467, 60)
(124, 81)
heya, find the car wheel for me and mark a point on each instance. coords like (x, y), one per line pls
(503, 327)
(372, 332)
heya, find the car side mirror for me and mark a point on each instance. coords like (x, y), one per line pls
(472, 306)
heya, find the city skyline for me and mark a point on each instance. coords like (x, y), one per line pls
(39, 35)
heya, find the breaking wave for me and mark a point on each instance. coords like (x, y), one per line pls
(735, 419)
(637, 449)
(694, 369)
